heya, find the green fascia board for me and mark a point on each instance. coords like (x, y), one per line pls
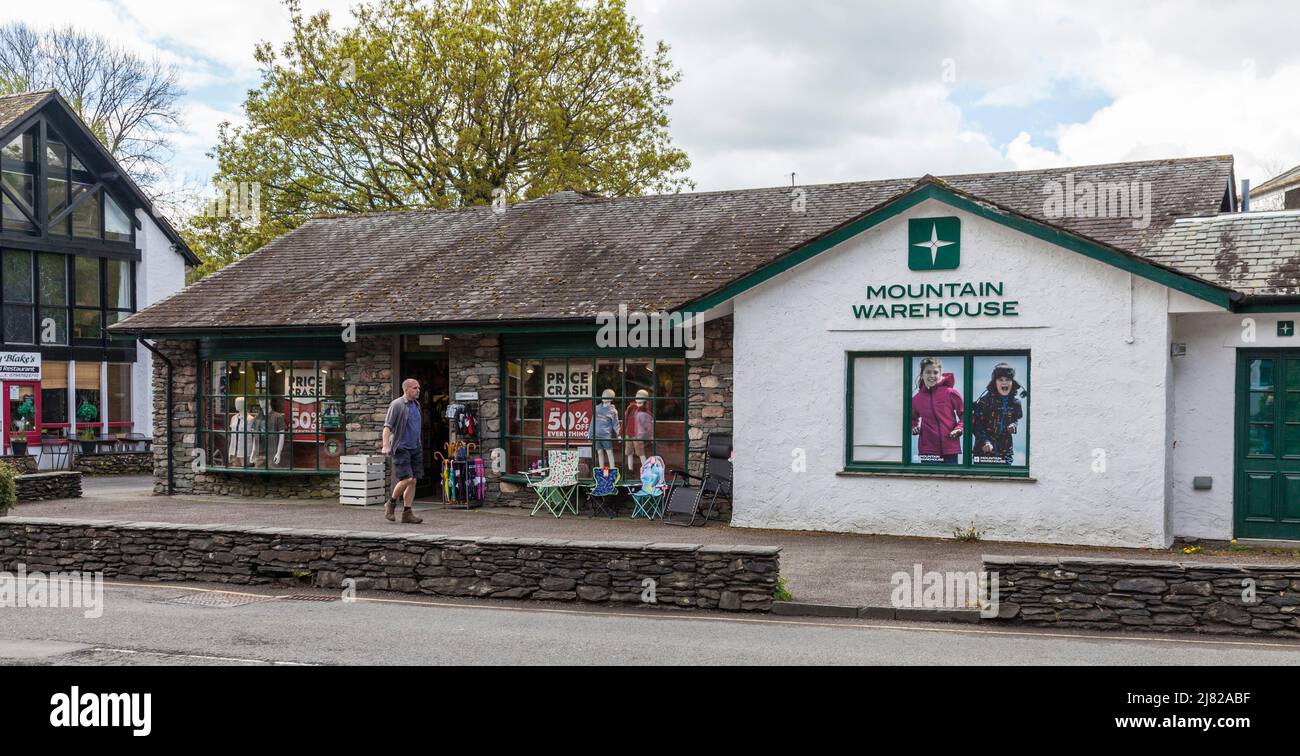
(1159, 274)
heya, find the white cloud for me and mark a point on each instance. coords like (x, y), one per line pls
(839, 90)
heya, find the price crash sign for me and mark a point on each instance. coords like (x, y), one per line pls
(567, 407)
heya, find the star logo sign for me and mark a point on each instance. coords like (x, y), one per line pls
(934, 243)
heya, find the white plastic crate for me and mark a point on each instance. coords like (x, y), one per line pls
(363, 480)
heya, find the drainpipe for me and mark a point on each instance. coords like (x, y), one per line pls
(171, 450)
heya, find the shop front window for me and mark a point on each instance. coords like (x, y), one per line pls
(272, 415)
(54, 397)
(615, 411)
(119, 395)
(939, 412)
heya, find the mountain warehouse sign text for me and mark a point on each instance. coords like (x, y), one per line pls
(944, 300)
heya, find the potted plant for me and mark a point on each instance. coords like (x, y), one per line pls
(87, 413)
(24, 419)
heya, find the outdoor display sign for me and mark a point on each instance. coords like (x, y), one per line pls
(20, 366)
(567, 407)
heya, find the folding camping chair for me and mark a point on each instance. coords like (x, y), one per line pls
(557, 483)
(649, 499)
(605, 487)
(685, 498)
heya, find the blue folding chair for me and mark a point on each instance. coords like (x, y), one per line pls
(649, 499)
(602, 491)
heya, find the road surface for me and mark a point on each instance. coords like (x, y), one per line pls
(192, 625)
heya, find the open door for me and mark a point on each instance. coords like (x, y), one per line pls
(22, 413)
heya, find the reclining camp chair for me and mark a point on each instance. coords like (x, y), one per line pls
(556, 484)
(688, 492)
(649, 498)
(606, 487)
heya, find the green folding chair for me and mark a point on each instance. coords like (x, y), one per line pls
(556, 485)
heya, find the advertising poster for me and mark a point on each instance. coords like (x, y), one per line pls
(937, 409)
(995, 416)
(302, 386)
(999, 413)
(567, 408)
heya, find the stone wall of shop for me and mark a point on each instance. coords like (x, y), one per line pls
(729, 578)
(115, 463)
(369, 387)
(185, 364)
(474, 364)
(1139, 594)
(43, 486)
(710, 380)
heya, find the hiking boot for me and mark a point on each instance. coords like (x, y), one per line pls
(409, 517)
(390, 510)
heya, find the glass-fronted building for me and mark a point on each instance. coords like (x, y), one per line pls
(81, 248)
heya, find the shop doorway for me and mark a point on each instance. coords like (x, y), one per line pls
(22, 413)
(430, 369)
(1266, 495)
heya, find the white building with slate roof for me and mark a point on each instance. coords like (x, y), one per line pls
(1095, 355)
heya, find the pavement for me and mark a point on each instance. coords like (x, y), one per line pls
(170, 624)
(821, 568)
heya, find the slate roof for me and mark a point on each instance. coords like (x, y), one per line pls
(15, 107)
(570, 255)
(1257, 254)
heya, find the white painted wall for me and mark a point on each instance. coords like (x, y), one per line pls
(1204, 421)
(1099, 378)
(159, 274)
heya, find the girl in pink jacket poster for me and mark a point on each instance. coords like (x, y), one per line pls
(936, 415)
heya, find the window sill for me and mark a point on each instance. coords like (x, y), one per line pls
(994, 475)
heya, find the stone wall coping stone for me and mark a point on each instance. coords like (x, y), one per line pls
(49, 474)
(743, 549)
(427, 538)
(991, 560)
(692, 547)
(738, 549)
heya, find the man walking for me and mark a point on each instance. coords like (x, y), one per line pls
(402, 440)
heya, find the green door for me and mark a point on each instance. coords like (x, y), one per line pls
(1267, 493)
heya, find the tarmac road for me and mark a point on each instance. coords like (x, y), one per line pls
(145, 624)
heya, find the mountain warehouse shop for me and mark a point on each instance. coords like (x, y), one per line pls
(905, 356)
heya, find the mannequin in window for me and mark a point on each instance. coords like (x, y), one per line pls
(275, 430)
(238, 434)
(640, 429)
(256, 436)
(604, 429)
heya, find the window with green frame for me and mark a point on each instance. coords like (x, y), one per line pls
(554, 403)
(282, 416)
(938, 412)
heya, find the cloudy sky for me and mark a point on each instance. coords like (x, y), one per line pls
(838, 90)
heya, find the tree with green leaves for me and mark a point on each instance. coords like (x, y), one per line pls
(443, 104)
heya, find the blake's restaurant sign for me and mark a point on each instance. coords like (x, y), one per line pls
(20, 366)
(942, 300)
